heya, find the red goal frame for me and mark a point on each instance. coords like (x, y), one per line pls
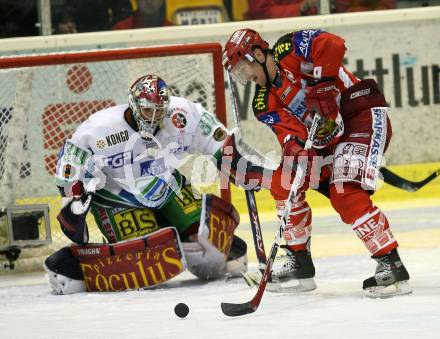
(135, 53)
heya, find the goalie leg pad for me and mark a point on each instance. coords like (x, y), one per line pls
(237, 262)
(132, 264)
(207, 257)
(64, 272)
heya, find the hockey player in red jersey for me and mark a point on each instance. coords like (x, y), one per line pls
(300, 75)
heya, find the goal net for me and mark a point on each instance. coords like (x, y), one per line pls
(43, 98)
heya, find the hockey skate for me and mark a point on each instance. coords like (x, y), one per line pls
(390, 279)
(294, 275)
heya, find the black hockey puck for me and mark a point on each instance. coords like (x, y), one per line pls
(181, 310)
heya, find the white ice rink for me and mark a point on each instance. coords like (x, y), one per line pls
(336, 309)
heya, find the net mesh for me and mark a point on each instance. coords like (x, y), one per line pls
(41, 106)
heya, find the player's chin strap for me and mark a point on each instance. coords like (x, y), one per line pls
(266, 72)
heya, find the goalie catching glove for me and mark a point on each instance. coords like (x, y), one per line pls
(72, 217)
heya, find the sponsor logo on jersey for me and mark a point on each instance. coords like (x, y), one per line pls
(282, 47)
(290, 76)
(67, 171)
(303, 41)
(152, 167)
(112, 139)
(269, 118)
(116, 138)
(219, 134)
(101, 144)
(118, 160)
(74, 154)
(327, 132)
(260, 99)
(297, 105)
(179, 120)
(285, 93)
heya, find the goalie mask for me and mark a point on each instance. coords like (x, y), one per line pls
(148, 98)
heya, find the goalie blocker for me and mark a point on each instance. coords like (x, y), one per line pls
(153, 259)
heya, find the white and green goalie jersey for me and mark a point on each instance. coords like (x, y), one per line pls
(130, 170)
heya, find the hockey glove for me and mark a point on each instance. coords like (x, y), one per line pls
(321, 98)
(72, 217)
(295, 155)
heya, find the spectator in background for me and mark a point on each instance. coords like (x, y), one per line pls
(99, 15)
(266, 9)
(149, 13)
(18, 18)
(344, 6)
(64, 23)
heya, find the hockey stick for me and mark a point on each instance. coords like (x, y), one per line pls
(251, 306)
(404, 184)
(250, 195)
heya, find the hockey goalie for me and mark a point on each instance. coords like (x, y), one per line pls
(120, 165)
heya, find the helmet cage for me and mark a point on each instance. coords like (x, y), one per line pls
(148, 98)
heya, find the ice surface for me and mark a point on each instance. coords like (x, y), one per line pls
(336, 309)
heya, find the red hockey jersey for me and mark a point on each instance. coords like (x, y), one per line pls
(302, 56)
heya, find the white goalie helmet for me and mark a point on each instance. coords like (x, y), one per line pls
(148, 98)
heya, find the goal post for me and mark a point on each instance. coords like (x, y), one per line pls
(44, 97)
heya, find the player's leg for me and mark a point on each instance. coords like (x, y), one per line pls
(372, 227)
(298, 264)
(64, 272)
(356, 163)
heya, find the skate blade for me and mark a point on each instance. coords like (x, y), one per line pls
(292, 286)
(252, 279)
(382, 292)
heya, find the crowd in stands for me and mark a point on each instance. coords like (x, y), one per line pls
(20, 18)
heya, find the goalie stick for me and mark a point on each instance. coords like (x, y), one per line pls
(251, 306)
(404, 184)
(250, 195)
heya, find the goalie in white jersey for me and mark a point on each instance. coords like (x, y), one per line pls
(121, 165)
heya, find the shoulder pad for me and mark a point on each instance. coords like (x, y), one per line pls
(260, 102)
(283, 47)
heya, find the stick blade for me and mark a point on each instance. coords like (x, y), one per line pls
(235, 310)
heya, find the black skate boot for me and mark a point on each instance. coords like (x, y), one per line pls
(296, 274)
(390, 279)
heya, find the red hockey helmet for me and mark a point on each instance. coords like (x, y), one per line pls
(241, 46)
(148, 98)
